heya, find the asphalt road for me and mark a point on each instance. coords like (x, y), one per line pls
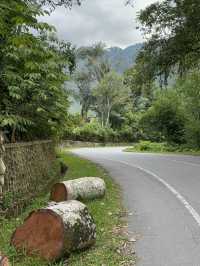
(163, 194)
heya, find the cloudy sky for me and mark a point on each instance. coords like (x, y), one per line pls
(109, 21)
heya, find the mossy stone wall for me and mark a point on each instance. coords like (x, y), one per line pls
(31, 168)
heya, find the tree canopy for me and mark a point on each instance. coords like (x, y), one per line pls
(173, 41)
(54, 3)
(33, 70)
(109, 93)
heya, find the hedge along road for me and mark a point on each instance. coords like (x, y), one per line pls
(163, 193)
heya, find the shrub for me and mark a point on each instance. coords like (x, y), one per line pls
(130, 129)
(192, 133)
(165, 120)
(94, 132)
(150, 146)
(145, 145)
(189, 88)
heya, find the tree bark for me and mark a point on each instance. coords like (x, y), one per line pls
(82, 188)
(102, 119)
(56, 230)
(108, 117)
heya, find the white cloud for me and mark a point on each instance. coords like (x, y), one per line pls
(109, 21)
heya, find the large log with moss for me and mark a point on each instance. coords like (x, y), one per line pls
(81, 188)
(56, 231)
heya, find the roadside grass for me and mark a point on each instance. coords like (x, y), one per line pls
(106, 212)
(154, 147)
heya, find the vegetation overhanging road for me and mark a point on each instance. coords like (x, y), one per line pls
(162, 192)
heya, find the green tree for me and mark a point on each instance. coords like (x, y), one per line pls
(165, 119)
(189, 88)
(95, 61)
(83, 81)
(91, 73)
(130, 129)
(54, 3)
(141, 86)
(33, 70)
(172, 28)
(110, 92)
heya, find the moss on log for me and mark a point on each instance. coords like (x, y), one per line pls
(78, 189)
(56, 230)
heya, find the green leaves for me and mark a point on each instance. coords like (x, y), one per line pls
(165, 119)
(110, 93)
(33, 70)
(189, 90)
(14, 92)
(173, 42)
(15, 121)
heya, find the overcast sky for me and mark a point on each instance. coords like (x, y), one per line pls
(109, 21)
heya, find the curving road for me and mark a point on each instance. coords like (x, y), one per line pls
(163, 193)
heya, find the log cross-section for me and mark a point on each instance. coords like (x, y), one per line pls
(78, 189)
(56, 230)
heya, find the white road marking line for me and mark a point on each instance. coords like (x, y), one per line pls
(169, 159)
(186, 204)
(183, 162)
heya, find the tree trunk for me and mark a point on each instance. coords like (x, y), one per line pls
(102, 119)
(107, 112)
(56, 230)
(108, 117)
(82, 188)
(82, 112)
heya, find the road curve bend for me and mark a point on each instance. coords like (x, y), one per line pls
(163, 193)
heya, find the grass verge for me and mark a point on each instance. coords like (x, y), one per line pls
(106, 212)
(153, 147)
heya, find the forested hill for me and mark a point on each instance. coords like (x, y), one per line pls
(122, 59)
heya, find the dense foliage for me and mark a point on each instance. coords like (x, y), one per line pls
(157, 99)
(34, 67)
(173, 41)
(109, 95)
(165, 119)
(189, 90)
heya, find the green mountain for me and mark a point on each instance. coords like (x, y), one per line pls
(122, 59)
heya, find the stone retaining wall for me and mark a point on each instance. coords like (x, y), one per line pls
(31, 168)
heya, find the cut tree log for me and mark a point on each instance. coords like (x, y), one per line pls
(4, 260)
(56, 230)
(78, 189)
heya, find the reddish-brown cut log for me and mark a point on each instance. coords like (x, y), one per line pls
(56, 230)
(78, 189)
